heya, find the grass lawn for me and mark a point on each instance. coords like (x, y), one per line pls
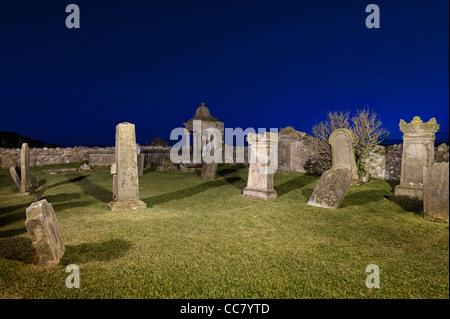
(201, 239)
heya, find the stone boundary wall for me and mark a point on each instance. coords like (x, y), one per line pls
(382, 163)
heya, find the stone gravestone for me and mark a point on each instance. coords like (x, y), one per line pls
(43, 229)
(15, 176)
(260, 175)
(436, 192)
(25, 169)
(343, 156)
(418, 152)
(33, 180)
(39, 195)
(140, 162)
(209, 169)
(331, 188)
(125, 179)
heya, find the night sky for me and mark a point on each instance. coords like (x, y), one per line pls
(254, 63)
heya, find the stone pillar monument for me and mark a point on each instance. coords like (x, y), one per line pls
(264, 151)
(125, 174)
(25, 169)
(418, 152)
(342, 154)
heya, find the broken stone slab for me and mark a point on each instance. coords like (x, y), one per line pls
(331, 188)
(436, 192)
(85, 167)
(60, 171)
(44, 232)
(15, 176)
(40, 193)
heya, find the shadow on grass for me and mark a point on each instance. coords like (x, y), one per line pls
(362, 198)
(91, 189)
(407, 204)
(296, 183)
(18, 248)
(103, 251)
(12, 232)
(187, 192)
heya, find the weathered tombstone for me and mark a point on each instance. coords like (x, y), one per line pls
(25, 169)
(209, 171)
(15, 176)
(140, 162)
(436, 192)
(43, 229)
(126, 184)
(33, 180)
(342, 154)
(264, 152)
(418, 152)
(331, 188)
(41, 192)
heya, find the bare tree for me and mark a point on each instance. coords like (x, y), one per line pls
(366, 127)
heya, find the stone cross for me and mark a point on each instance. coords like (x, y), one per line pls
(264, 153)
(43, 229)
(418, 152)
(126, 184)
(342, 153)
(25, 169)
(436, 192)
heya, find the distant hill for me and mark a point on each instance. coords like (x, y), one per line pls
(13, 140)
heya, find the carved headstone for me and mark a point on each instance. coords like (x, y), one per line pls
(25, 169)
(343, 155)
(331, 188)
(264, 162)
(436, 192)
(418, 152)
(43, 229)
(126, 184)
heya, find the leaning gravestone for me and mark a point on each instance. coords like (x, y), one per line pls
(264, 152)
(343, 155)
(25, 169)
(436, 192)
(331, 188)
(15, 176)
(43, 229)
(125, 179)
(41, 192)
(418, 152)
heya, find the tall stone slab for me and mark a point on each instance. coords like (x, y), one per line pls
(436, 192)
(126, 183)
(418, 152)
(209, 171)
(263, 163)
(44, 232)
(25, 169)
(343, 155)
(331, 188)
(140, 162)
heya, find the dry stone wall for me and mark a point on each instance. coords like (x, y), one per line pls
(384, 162)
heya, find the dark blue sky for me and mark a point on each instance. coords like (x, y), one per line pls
(255, 64)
